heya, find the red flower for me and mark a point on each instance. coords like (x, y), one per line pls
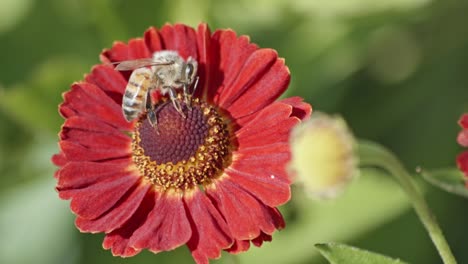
(462, 159)
(211, 180)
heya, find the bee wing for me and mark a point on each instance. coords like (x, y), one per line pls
(138, 63)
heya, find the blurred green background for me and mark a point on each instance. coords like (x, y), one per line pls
(396, 70)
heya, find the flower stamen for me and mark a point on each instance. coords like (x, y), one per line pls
(181, 153)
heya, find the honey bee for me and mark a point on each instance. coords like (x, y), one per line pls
(166, 71)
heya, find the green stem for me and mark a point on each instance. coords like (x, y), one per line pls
(372, 154)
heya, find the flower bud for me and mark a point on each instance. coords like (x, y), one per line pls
(322, 155)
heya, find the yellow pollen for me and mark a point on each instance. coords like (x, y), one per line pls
(201, 167)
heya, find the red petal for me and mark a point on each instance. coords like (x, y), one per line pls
(266, 161)
(94, 140)
(88, 100)
(87, 124)
(207, 63)
(117, 215)
(136, 49)
(93, 134)
(77, 152)
(245, 215)
(153, 40)
(180, 38)
(271, 125)
(118, 52)
(258, 90)
(272, 191)
(260, 239)
(252, 71)
(59, 159)
(118, 240)
(210, 233)
(93, 201)
(462, 162)
(233, 54)
(166, 226)
(109, 80)
(300, 109)
(119, 245)
(239, 246)
(77, 175)
(463, 138)
(463, 121)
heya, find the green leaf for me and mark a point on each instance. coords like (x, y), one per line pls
(339, 253)
(450, 180)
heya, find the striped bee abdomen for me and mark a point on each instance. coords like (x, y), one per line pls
(135, 96)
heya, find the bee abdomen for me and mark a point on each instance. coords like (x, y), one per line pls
(134, 98)
(130, 114)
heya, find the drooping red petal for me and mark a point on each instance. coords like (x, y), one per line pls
(210, 233)
(301, 109)
(258, 242)
(239, 246)
(93, 201)
(118, 240)
(119, 245)
(77, 175)
(117, 215)
(462, 162)
(246, 216)
(232, 56)
(153, 40)
(181, 38)
(166, 226)
(88, 100)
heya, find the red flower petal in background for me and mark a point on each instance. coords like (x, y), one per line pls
(462, 159)
(211, 181)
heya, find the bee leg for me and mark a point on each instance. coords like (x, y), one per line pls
(175, 101)
(194, 87)
(150, 111)
(189, 95)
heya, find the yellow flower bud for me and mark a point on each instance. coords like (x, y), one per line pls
(322, 155)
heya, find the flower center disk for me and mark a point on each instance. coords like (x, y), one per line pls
(182, 152)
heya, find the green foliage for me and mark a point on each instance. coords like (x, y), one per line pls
(344, 254)
(450, 180)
